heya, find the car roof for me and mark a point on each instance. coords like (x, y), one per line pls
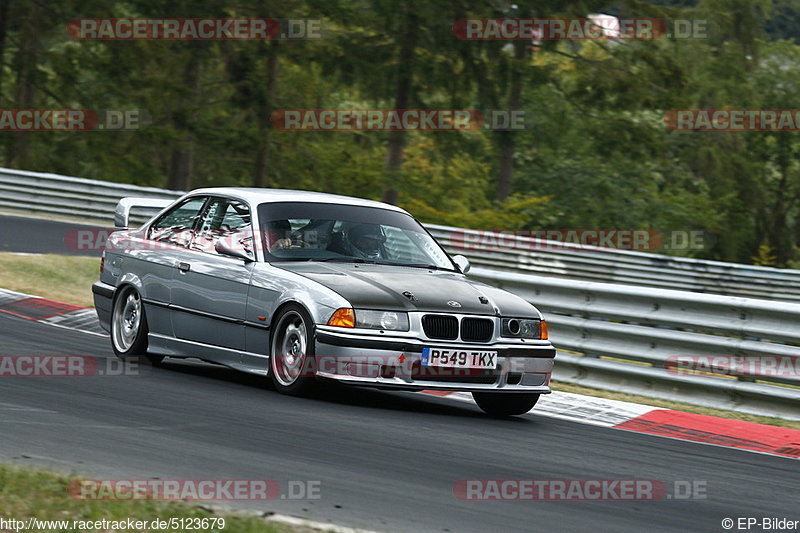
(262, 195)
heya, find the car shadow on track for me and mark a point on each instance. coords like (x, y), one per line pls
(334, 393)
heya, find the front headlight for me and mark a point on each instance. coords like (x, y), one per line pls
(388, 320)
(523, 328)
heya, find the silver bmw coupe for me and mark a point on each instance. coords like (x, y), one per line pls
(302, 286)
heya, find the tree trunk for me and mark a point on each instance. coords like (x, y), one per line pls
(779, 237)
(402, 100)
(506, 141)
(4, 9)
(181, 169)
(262, 157)
(25, 64)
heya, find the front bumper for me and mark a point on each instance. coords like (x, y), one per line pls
(103, 295)
(394, 363)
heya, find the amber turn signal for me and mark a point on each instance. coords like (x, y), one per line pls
(344, 318)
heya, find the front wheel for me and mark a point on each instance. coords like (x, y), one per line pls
(505, 404)
(129, 327)
(292, 352)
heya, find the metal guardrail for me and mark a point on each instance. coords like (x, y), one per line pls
(609, 335)
(590, 263)
(629, 340)
(52, 194)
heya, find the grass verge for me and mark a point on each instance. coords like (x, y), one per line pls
(29, 493)
(66, 278)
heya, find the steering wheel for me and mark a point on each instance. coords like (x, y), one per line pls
(297, 240)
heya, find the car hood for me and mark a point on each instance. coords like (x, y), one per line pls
(382, 287)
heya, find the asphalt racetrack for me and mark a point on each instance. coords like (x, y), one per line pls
(383, 460)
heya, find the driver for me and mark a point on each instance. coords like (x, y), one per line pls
(366, 241)
(279, 235)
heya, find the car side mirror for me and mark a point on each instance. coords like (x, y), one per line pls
(223, 248)
(462, 263)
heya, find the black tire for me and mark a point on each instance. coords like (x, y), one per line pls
(505, 404)
(293, 332)
(129, 327)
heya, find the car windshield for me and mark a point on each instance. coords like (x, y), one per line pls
(306, 231)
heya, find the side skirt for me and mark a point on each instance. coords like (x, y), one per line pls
(249, 362)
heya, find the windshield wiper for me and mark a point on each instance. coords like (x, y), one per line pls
(373, 262)
(414, 265)
(344, 260)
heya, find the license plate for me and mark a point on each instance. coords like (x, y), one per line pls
(454, 358)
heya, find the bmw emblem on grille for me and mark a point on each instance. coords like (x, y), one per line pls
(453, 303)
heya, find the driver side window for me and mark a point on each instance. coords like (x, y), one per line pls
(227, 219)
(176, 225)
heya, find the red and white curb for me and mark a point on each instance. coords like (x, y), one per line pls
(50, 312)
(662, 422)
(603, 412)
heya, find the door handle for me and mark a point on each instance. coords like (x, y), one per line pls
(184, 267)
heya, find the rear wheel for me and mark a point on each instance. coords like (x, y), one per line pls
(505, 404)
(129, 327)
(292, 352)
